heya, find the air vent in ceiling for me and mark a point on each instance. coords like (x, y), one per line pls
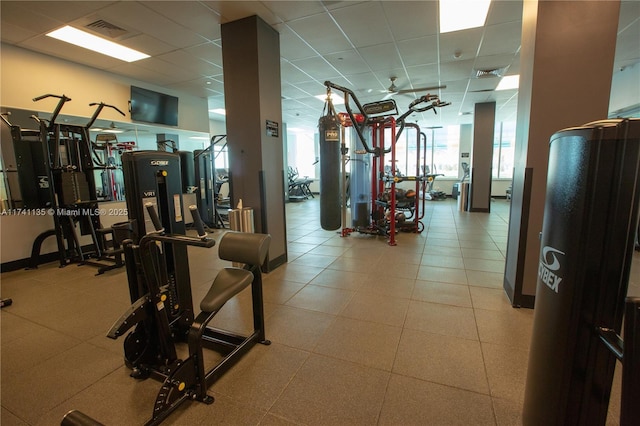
(492, 72)
(106, 28)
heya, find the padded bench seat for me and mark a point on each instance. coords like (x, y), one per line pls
(229, 282)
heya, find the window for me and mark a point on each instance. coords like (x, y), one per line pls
(301, 153)
(504, 150)
(445, 149)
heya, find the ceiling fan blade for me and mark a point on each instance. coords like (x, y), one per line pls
(421, 89)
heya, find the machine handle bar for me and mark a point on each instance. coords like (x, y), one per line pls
(159, 235)
(359, 128)
(197, 221)
(101, 105)
(56, 111)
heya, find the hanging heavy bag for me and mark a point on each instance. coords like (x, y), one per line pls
(329, 131)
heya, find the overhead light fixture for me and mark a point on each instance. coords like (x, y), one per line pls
(456, 15)
(335, 98)
(97, 44)
(509, 82)
(220, 111)
(199, 138)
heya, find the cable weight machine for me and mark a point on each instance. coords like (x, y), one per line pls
(375, 132)
(62, 184)
(161, 314)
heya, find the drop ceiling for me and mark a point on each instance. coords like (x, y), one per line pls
(356, 44)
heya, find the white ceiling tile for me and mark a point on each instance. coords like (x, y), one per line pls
(466, 42)
(190, 14)
(356, 21)
(317, 68)
(233, 10)
(188, 62)
(458, 70)
(292, 74)
(423, 75)
(321, 33)
(210, 52)
(14, 34)
(411, 19)
(347, 62)
(20, 14)
(287, 12)
(504, 11)
(501, 38)
(418, 51)
(381, 57)
(293, 47)
(147, 44)
(135, 15)
(494, 61)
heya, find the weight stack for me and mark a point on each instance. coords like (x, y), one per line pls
(590, 218)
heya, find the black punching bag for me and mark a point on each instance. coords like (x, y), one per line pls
(329, 130)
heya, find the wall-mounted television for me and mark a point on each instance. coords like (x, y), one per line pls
(153, 107)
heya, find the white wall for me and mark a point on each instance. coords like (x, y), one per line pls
(26, 75)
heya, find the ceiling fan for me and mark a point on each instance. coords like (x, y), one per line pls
(393, 89)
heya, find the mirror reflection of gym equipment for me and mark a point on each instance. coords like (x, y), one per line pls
(56, 177)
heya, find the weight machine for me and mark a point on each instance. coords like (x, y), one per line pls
(56, 161)
(209, 183)
(374, 210)
(160, 289)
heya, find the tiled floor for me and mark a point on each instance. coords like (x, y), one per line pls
(363, 333)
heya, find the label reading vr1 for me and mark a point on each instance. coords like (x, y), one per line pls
(549, 267)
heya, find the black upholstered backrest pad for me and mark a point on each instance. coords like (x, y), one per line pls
(243, 247)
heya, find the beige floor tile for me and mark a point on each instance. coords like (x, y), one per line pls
(491, 299)
(442, 359)
(509, 328)
(485, 279)
(442, 319)
(444, 275)
(388, 286)
(411, 401)
(362, 342)
(261, 375)
(340, 279)
(485, 265)
(327, 391)
(377, 308)
(322, 299)
(506, 370)
(298, 328)
(444, 293)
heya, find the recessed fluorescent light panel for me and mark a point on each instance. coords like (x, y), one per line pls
(509, 82)
(335, 98)
(456, 15)
(220, 111)
(97, 44)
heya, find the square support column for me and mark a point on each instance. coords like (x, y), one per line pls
(251, 64)
(484, 123)
(566, 68)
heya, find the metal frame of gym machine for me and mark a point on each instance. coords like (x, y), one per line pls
(376, 116)
(160, 288)
(208, 183)
(65, 185)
